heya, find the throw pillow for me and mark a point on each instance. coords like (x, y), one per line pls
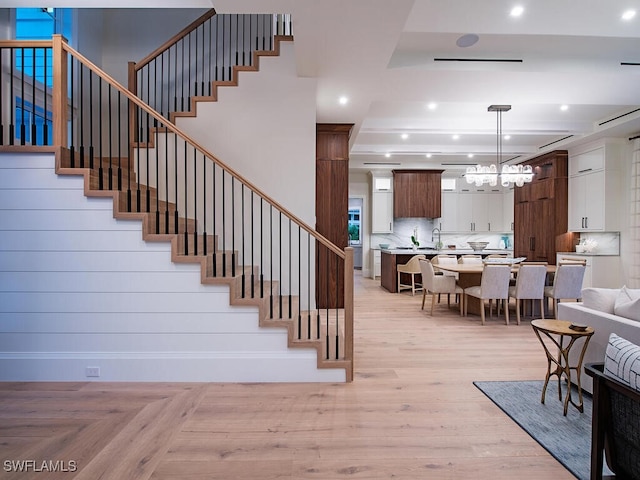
(628, 303)
(600, 299)
(622, 361)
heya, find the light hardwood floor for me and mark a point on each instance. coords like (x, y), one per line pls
(411, 413)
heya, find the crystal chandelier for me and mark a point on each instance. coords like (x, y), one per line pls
(482, 174)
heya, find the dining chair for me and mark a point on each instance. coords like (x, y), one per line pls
(472, 259)
(567, 284)
(437, 284)
(529, 285)
(412, 267)
(494, 285)
(445, 260)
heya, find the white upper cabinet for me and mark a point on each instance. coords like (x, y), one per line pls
(472, 211)
(381, 202)
(594, 187)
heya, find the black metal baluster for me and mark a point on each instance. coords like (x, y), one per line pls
(120, 141)
(299, 282)
(224, 28)
(204, 205)
(182, 42)
(290, 272)
(12, 109)
(167, 222)
(233, 227)
(213, 209)
(261, 248)
(229, 65)
(327, 299)
(100, 172)
(45, 128)
(130, 152)
(202, 92)
(210, 24)
(157, 175)
(81, 100)
(308, 286)
(138, 171)
(237, 38)
(110, 183)
(175, 186)
(242, 230)
(280, 264)
(189, 76)
(175, 80)
(34, 133)
(337, 306)
(73, 119)
(195, 201)
(195, 63)
(90, 119)
(252, 246)
(22, 125)
(186, 203)
(224, 230)
(215, 53)
(148, 143)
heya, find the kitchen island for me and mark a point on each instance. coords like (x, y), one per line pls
(391, 258)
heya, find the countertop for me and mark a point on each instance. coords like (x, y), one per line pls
(431, 251)
(590, 254)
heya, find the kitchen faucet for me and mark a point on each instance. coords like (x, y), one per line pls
(439, 244)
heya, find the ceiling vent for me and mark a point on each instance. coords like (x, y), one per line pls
(619, 116)
(486, 60)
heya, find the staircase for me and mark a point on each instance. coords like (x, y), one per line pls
(210, 215)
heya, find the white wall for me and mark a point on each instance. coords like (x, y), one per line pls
(80, 289)
(265, 129)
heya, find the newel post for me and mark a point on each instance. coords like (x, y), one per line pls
(59, 92)
(348, 310)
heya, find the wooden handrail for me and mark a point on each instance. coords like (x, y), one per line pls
(173, 128)
(26, 43)
(176, 38)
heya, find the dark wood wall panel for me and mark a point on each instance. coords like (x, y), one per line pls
(332, 205)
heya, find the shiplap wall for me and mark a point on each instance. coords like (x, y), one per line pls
(81, 289)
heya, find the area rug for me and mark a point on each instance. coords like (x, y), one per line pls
(567, 439)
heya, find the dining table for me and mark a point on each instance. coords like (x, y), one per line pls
(470, 275)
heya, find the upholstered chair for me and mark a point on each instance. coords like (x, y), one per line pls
(412, 267)
(472, 259)
(437, 284)
(567, 284)
(494, 285)
(529, 286)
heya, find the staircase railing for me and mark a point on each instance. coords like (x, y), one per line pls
(184, 192)
(186, 66)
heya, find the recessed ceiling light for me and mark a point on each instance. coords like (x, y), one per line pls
(343, 100)
(517, 11)
(387, 155)
(432, 105)
(564, 108)
(405, 136)
(507, 137)
(428, 155)
(470, 155)
(628, 15)
(455, 137)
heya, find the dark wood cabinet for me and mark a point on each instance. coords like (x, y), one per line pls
(417, 193)
(540, 210)
(332, 206)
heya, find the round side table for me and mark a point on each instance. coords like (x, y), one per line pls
(556, 330)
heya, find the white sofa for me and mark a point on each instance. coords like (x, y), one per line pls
(602, 309)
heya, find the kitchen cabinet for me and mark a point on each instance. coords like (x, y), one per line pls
(375, 263)
(472, 211)
(507, 210)
(381, 202)
(602, 271)
(594, 184)
(540, 210)
(417, 193)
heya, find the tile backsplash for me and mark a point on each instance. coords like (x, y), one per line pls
(403, 228)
